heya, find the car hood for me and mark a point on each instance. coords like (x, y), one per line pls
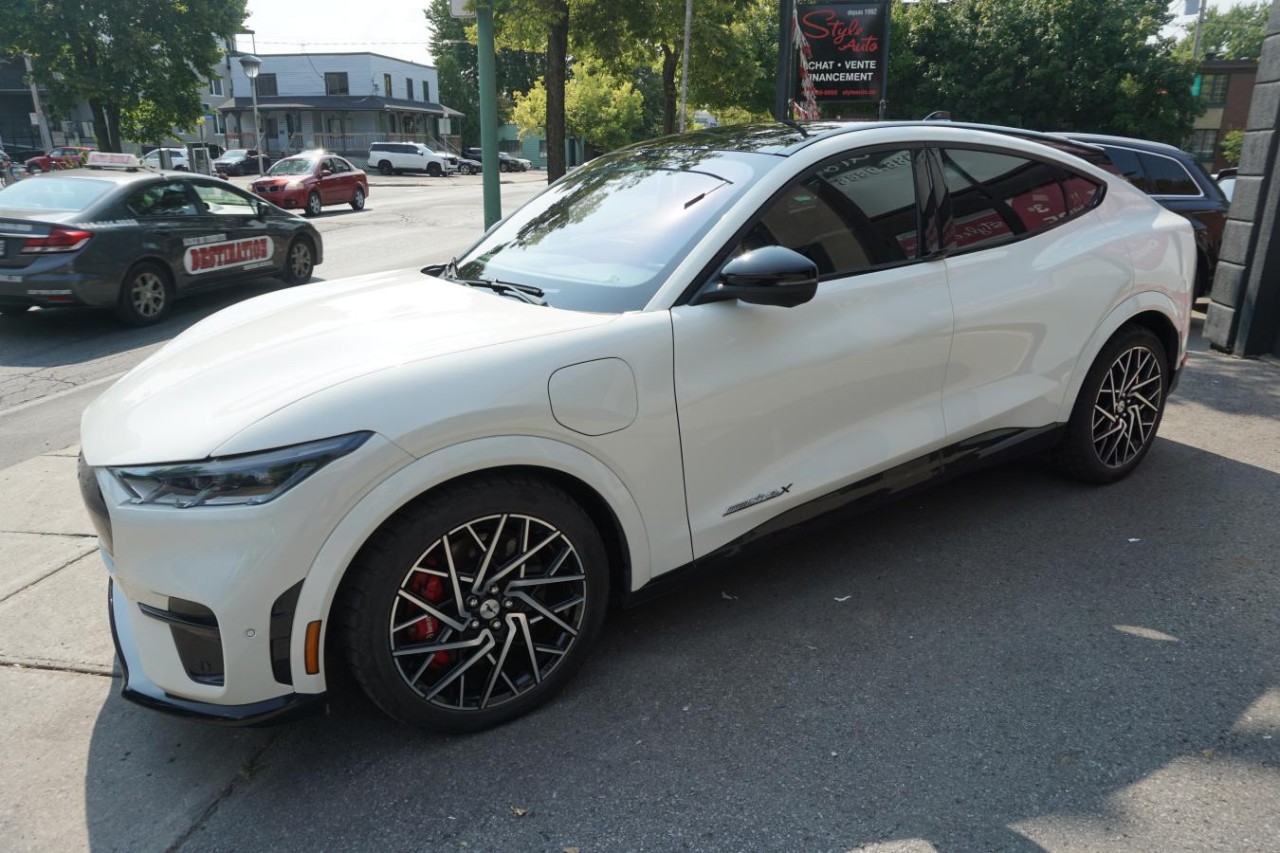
(280, 180)
(248, 361)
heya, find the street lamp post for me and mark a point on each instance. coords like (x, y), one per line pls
(252, 65)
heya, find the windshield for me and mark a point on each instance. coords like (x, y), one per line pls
(48, 193)
(293, 167)
(605, 237)
(234, 154)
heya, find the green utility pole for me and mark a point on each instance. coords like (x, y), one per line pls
(488, 112)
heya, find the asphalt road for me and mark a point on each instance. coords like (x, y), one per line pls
(52, 363)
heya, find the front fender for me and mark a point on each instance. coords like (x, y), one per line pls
(1135, 304)
(441, 466)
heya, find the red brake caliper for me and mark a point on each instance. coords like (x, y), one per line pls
(429, 588)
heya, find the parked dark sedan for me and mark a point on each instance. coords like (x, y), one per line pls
(241, 161)
(1173, 178)
(135, 241)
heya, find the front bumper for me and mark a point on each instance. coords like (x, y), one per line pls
(137, 688)
(288, 199)
(204, 602)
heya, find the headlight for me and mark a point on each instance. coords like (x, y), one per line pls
(294, 185)
(249, 479)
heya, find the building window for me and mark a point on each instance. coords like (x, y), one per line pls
(1203, 144)
(1213, 88)
(335, 83)
(215, 85)
(266, 84)
(408, 88)
(509, 146)
(386, 85)
(426, 91)
(542, 149)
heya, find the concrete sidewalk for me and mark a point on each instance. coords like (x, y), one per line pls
(85, 770)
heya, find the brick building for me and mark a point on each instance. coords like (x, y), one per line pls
(1226, 89)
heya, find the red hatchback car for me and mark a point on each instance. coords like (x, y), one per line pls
(312, 179)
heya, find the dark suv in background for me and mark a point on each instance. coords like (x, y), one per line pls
(1173, 178)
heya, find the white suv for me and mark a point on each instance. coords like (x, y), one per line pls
(666, 355)
(391, 158)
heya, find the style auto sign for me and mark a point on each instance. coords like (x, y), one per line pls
(213, 257)
(848, 49)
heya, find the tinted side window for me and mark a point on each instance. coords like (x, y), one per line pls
(1167, 176)
(1082, 193)
(1127, 165)
(162, 200)
(997, 198)
(847, 215)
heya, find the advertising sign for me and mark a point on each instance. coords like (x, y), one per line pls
(842, 50)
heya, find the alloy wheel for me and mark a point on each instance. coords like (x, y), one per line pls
(487, 612)
(300, 262)
(148, 295)
(1128, 406)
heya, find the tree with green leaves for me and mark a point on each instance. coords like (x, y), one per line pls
(452, 44)
(1085, 65)
(1232, 145)
(1235, 33)
(602, 108)
(139, 64)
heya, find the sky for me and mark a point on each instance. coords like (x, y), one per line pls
(390, 27)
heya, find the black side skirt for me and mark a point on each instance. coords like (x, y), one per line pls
(964, 457)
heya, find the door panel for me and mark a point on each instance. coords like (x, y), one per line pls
(1028, 289)
(779, 406)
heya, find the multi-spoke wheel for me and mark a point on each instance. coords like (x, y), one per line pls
(1119, 408)
(299, 261)
(145, 295)
(475, 605)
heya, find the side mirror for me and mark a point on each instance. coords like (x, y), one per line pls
(260, 209)
(324, 173)
(770, 275)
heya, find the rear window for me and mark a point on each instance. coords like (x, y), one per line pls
(50, 193)
(1127, 166)
(1167, 176)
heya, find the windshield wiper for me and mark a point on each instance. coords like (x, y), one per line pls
(524, 292)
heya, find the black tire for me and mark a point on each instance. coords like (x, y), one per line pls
(299, 261)
(357, 200)
(146, 294)
(434, 170)
(521, 657)
(464, 169)
(1118, 410)
(384, 167)
(503, 167)
(314, 205)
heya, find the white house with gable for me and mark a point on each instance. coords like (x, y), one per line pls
(338, 101)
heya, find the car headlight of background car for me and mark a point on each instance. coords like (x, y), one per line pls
(250, 479)
(295, 185)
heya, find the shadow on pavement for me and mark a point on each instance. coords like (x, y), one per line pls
(68, 336)
(1008, 647)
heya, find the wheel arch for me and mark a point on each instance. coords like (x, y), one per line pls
(1150, 309)
(585, 478)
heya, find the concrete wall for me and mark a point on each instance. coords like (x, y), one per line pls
(1244, 311)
